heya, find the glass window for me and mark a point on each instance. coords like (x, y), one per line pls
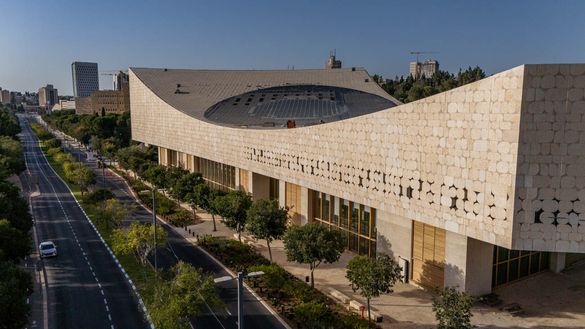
(335, 218)
(365, 224)
(355, 211)
(344, 213)
(317, 205)
(326, 202)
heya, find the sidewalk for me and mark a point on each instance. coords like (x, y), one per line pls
(560, 305)
(549, 300)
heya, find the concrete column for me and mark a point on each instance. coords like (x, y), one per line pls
(237, 178)
(455, 260)
(480, 259)
(558, 261)
(260, 187)
(394, 235)
(305, 205)
(281, 193)
(468, 264)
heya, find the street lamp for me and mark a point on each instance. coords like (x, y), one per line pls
(240, 279)
(154, 189)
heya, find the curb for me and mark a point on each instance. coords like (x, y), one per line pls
(134, 289)
(262, 301)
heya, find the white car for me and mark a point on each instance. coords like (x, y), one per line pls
(47, 249)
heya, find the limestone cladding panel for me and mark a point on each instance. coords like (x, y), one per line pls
(448, 160)
(550, 186)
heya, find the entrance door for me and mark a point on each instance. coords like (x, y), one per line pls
(428, 255)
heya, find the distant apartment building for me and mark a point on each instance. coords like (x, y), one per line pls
(103, 101)
(332, 62)
(64, 105)
(120, 80)
(85, 78)
(5, 96)
(16, 97)
(424, 69)
(48, 96)
(31, 98)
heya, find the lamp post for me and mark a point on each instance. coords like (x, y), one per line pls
(240, 278)
(154, 190)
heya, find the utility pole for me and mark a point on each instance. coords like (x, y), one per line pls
(154, 224)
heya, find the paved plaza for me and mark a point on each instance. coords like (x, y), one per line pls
(546, 302)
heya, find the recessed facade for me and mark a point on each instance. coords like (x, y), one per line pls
(474, 187)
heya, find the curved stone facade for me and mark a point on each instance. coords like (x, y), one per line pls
(478, 160)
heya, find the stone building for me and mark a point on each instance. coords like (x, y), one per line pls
(106, 101)
(424, 69)
(48, 96)
(474, 187)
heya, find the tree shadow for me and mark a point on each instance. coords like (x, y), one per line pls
(384, 246)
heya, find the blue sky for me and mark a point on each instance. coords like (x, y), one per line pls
(40, 39)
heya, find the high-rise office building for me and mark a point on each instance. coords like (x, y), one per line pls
(48, 96)
(85, 78)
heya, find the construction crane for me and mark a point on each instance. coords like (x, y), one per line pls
(421, 52)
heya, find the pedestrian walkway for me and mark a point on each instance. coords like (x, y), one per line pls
(549, 300)
(558, 306)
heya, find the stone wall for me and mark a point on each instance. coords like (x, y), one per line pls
(550, 204)
(448, 160)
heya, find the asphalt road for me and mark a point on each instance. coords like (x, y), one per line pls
(225, 317)
(86, 289)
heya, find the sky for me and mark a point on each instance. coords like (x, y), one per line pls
(40, 39)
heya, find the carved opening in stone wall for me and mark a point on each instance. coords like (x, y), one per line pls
(457, 199)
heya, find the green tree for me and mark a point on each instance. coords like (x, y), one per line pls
(15, 286)
(112, 212)
(9, 125)
(313, 244)
(186, 295)
(201, 197)
(452, 309)
(14, 244)
(156, 175)
(79, 174)
(138, 239)
(173, 175)
(233, 209)
(372, 276)
(266, 220)
(11, 157)
(13, 207)
(185, 185)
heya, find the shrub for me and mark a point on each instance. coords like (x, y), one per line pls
(314, 315)
(52, 143)
(452, 309)
(98, 195)
(180, 218)
(63, 158)
(53, 151)
(274, 277)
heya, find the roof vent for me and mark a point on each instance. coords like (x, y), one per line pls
(166, 70)
(353, 69)
(367, 80)
(178, 85)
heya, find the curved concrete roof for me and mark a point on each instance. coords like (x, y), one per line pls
(193, 92)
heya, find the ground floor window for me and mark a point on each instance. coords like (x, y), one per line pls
(217, 175)
(357, 221)
(274, 189)
(511, 265)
